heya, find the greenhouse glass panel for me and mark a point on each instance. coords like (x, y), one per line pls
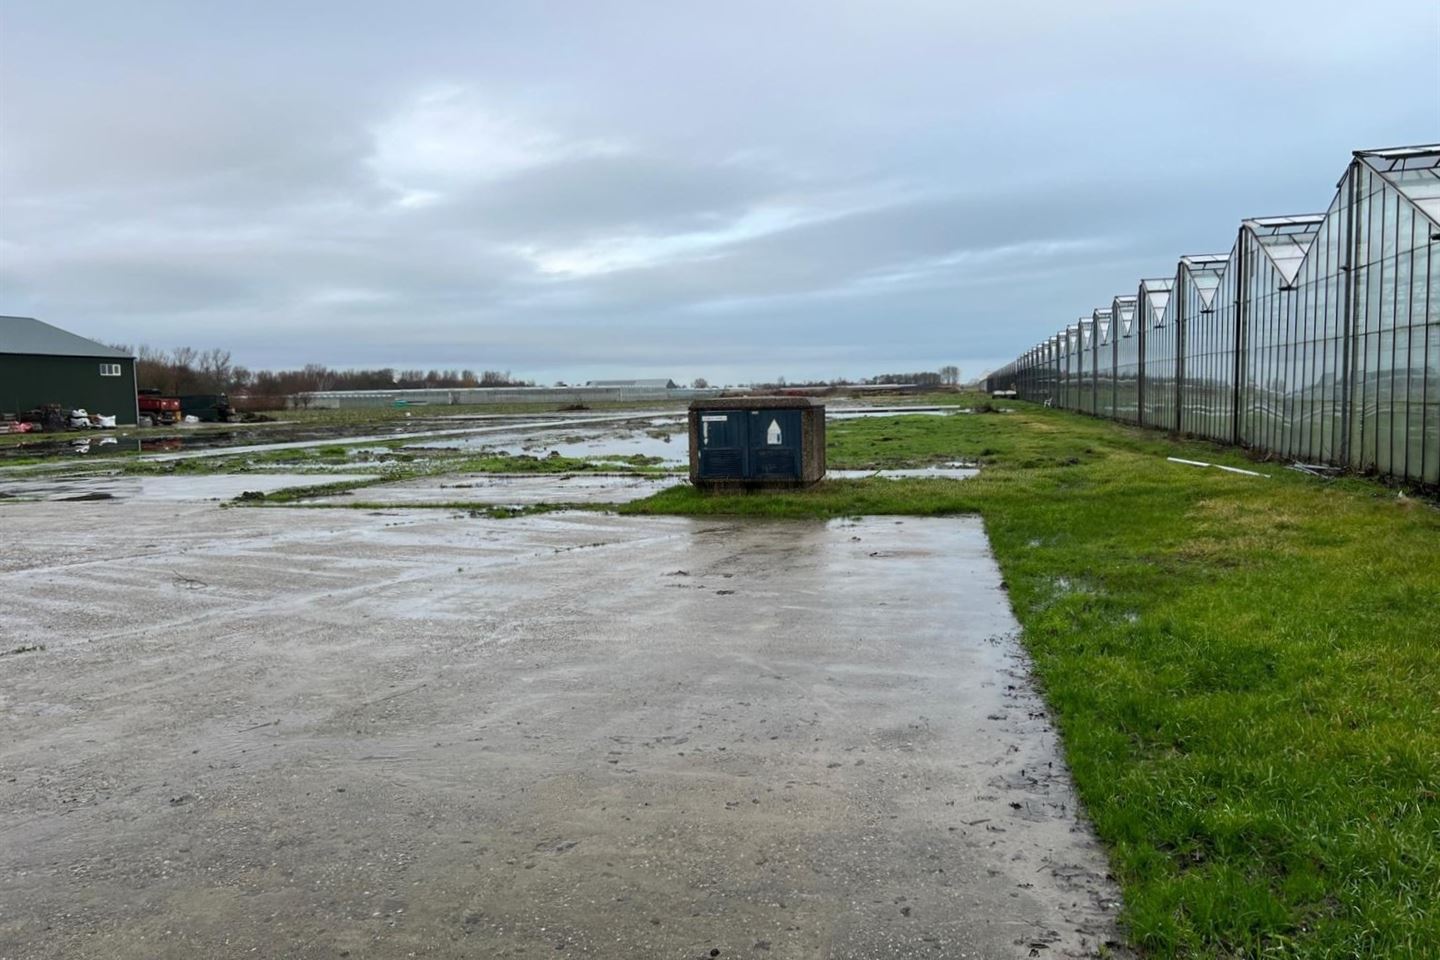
(1275, 250)
(1202, 346)
(1157, 353)
(1127, 359)
(1397, 253)
(1102, 363)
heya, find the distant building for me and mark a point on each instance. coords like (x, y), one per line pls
(41, 364)
(640, 384)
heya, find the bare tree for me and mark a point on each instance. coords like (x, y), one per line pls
(316, 376)
(215, 370)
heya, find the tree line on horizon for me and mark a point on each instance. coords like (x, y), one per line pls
(186, 370)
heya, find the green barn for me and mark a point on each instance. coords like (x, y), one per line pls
(41, 364)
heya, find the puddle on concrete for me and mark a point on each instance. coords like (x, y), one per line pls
(188, 489)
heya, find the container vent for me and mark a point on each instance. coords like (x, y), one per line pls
(774, 463)
(721, 463)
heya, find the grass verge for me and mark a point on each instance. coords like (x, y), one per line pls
(1245, 671)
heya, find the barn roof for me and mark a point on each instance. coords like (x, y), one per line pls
(26, 335)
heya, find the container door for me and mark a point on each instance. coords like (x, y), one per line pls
(775, 444)
(722, 444)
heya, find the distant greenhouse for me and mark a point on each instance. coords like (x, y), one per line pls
(660, 383)
(1317, 337)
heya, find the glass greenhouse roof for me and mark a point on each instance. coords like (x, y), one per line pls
(1101, 318)
(1124, 311)
(1414, 172)
(1204, 273)
(1157, 296)
(1286, 240)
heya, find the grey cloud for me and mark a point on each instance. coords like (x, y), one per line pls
(979, 233)
(579, 199)
(744, 188)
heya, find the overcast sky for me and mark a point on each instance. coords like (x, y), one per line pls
(729, 189)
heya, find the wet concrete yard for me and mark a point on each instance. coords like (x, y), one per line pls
(300, 733)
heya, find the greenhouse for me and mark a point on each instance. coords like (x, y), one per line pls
(1155, 348)
(1316, 338)
(1102, 364)
(1125, 361)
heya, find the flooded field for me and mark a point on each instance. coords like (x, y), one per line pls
(490, 461)
(234, 438)
(663, 439)
(464, 429)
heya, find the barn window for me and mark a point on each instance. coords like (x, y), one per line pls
(109, 369)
